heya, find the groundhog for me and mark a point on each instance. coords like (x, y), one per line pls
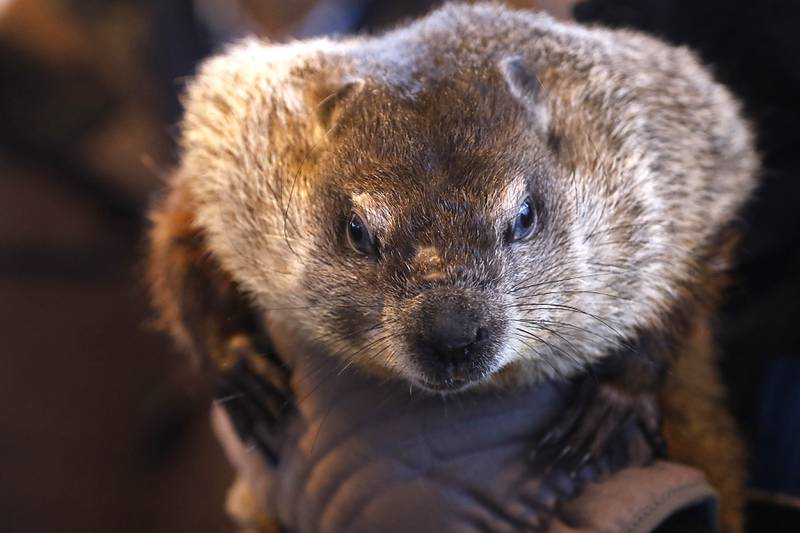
(482, 198)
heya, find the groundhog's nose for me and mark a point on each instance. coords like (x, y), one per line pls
(453, 335)
(454, 338)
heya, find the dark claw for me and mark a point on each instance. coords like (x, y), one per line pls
(249, 430)
(262, 437)
(654, 439)
(241, 420)
(275, 400)
(585, 459)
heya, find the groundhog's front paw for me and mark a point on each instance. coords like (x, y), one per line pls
(254, 391)
(603, 430)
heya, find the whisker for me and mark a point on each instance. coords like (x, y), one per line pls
(610, 340)
(534, 306)
(554, 281)
(575, 358)
(550, 345)
(581, 291)
(539, 354)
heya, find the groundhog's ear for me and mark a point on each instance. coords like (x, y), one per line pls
(526, 87)
(197, 302)
(331, 99)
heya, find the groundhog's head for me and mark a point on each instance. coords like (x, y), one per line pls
(430, 225)
(439, 214)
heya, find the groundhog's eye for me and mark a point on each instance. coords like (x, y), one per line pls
(358, 236)
(524, 223)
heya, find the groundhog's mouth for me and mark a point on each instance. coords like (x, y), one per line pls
(449, 385)
(443, 376)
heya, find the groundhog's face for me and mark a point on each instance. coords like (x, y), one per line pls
(448, 245)
(446, 229)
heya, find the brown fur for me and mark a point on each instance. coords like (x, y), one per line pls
(198, 302)
(637, 162)
(699, 428)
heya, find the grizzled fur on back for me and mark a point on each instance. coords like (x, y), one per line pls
(634, 158)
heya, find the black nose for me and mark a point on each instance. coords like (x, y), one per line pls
(453, 335)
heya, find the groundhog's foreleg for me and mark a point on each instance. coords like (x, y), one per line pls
(205, 310)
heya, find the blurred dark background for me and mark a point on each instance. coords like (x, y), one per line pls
(102, 424)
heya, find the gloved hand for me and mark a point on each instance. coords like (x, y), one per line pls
(363, 454)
